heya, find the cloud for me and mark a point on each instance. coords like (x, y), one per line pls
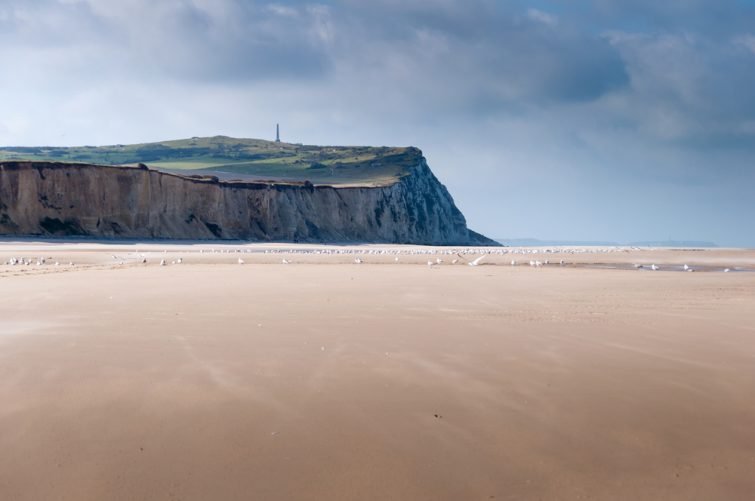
(512, 56)
(458, 60)
(746, 41)
(542, 17)
(686, 87)
(475, 58)
(222, 40)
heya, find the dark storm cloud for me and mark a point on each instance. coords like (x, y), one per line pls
(672, 70)
(477, 47)
(483, 48)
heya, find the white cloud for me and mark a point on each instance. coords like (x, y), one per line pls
(282, 10)
(746, 41)
(542, 17)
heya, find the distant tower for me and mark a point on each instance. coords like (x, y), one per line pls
(277, 133)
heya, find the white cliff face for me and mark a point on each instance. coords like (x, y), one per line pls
(51, 199)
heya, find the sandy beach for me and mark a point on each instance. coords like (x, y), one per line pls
(595, 378)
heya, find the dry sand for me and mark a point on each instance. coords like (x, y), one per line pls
(329, 380)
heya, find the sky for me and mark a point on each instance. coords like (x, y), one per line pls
(553, 119)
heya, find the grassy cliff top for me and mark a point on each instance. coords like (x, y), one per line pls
(242, 159)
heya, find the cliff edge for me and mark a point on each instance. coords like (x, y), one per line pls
(43, 198)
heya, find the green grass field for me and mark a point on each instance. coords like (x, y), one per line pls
(243, 159)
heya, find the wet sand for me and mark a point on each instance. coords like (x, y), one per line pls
(324, 379)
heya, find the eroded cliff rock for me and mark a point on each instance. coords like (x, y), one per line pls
(59, 199)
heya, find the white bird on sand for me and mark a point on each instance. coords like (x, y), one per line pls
(179, 260)
(395, 259)
(162, 262)
(240, 261)
(727, 270)
(477, 261)
(285, 261)
(654, 267)
(686, 268)
(454, 261)
(358, 260)
(513, 262)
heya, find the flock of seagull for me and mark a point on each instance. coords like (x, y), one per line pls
(38, 261)
(535, 258)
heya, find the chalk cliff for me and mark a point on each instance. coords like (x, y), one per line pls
(63, 199)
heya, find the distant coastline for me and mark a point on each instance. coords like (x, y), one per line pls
(534, 242)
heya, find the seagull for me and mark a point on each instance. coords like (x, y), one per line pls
(179, 260)
(477, 261)
(284, 261)
(513, 262)
(654, 267)
(241, 261)
(358, 260)
(686, 268)
(727, 270)
(454, 261)
(162, 262)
